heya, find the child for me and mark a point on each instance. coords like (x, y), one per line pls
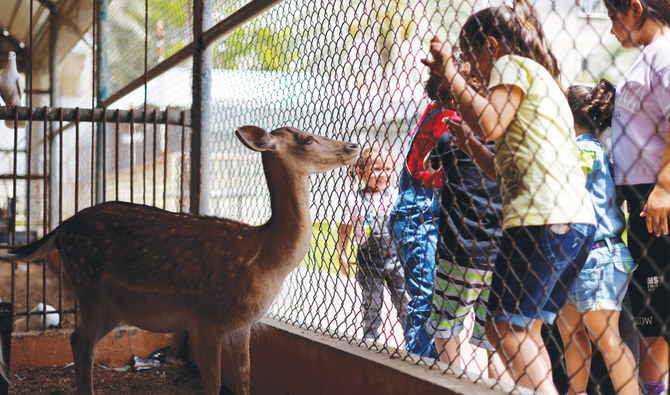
(470, 232)
(414, 221)
(548, 218)
(366, 213)
(595, 300)
(640, 152)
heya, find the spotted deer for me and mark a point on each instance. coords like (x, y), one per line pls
(211, 277)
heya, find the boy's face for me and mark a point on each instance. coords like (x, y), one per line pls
(378, 173)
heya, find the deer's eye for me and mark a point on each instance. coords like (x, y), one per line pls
(309, 140)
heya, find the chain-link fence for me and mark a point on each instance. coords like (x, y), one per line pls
(430, 243)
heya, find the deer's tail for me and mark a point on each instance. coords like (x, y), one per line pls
(33, 251)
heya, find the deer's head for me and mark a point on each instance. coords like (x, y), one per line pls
(305, 152)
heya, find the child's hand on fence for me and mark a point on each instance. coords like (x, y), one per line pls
(441, 58)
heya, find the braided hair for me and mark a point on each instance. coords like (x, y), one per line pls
(592, 107)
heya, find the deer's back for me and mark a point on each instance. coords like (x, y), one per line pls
(132, 252)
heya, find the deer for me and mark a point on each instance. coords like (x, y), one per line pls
(173, 272)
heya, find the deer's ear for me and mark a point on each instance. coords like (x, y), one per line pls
(255, 138)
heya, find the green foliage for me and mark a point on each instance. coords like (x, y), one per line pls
(322, 253)
(256, 48)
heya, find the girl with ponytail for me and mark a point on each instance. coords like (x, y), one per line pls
(548, 217)
(596, 299)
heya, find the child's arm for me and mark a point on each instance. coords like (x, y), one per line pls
(342, 246)
(487, 116)
(464, 139)
(657, 208)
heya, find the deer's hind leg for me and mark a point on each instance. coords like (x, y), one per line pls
(238, 345)
(207, 343)
(96, 319)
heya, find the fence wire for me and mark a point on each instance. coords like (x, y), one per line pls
(414, 248)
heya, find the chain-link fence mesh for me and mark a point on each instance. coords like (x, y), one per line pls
(352, 70)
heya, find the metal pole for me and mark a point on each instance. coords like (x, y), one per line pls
(201, 109)
(102, 81)
(54, 103)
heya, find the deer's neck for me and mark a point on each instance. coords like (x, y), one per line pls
(290, 225)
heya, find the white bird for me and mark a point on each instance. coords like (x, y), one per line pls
(52, 318)
(11, 86)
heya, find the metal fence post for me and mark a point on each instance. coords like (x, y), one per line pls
(102, 81)
(54, 100)
(201, 109)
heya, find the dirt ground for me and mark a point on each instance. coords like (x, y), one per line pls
(169, 379)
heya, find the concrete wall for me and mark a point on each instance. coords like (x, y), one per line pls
(289, 360)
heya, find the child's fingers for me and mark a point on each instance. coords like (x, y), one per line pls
(656, 224)
(649, 220)
(452, 122)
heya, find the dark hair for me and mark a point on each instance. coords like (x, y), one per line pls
(657, 9)
(437, 91)
(592, 107)
(517, 27)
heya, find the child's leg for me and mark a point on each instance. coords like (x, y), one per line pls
(534, 270)
(395, 280)
(497, 369)
(371, 289)
(577, 347)
(449, 350)
(654, 354)
(416, 235)
(458, 289)
(603, 326)
(524, 351)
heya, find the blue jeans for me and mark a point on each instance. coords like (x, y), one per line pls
(534, 271)
(414, 223)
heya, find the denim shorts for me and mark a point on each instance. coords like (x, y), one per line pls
(534, 271)
(603, 281)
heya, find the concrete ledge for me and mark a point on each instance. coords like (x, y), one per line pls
(52, 348)
(290, 360)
